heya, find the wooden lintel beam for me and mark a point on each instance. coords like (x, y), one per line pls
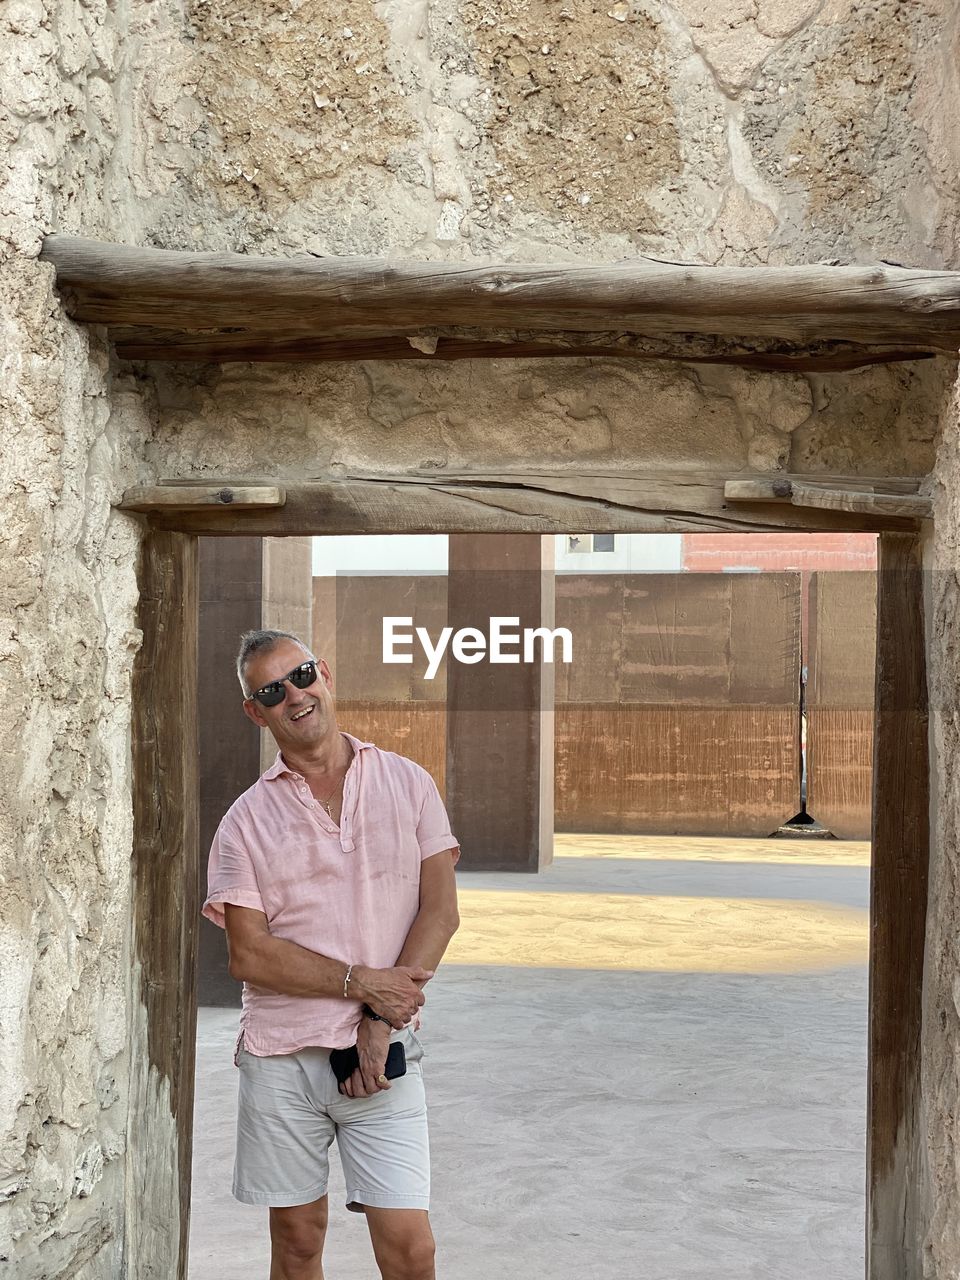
(123, 284)
(910, 506)
(190, 497)
(778, 490)
(530, 503)
(259, 347)
(799, 494)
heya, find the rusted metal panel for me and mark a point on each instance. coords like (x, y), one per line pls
(680, 711)
(231, 593)
(764, 645)
(839, 700)
(414, 729)
(843, 643)
(591, 605)
(500, 747)
(359, 604)
(676, 770)
(700, 639)
(676, 630)
(839, 769)
(391, 705)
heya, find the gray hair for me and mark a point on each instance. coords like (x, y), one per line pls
(252, 642)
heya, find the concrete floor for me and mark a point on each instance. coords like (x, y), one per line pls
(649, 1062)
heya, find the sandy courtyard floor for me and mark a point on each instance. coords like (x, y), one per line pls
(648, 1062)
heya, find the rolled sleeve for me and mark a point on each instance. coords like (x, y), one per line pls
(230, 876)
(433, 829)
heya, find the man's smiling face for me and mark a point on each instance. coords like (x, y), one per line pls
(305, 716)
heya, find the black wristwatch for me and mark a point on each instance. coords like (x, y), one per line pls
(368, 1013)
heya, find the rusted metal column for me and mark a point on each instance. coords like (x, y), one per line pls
(500, 721)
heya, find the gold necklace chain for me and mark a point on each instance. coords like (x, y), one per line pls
(326, 804)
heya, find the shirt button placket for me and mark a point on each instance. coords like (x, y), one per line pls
(308, 799)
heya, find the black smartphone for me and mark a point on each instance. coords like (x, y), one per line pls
(345, 1062)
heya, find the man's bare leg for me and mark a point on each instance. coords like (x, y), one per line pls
(296, 1238)
(402, 1243)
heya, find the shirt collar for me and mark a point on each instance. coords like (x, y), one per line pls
(280, 766)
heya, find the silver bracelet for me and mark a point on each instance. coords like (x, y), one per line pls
(346, 981)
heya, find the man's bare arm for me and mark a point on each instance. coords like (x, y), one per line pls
(436, 922)
(256, 956)
(437, 919)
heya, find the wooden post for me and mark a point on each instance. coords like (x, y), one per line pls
(500, 723)
(898, 911)
(165, 911)
(231, 594)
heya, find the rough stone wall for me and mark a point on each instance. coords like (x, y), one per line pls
(777, 131)
(341, 419)
(68, 595)
(756, 131)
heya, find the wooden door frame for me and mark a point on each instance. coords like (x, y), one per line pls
(166, 902)
(165, 759)
(899, 877)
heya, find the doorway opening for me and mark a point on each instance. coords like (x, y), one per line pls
(568, 862)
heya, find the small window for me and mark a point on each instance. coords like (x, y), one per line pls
(580, 543)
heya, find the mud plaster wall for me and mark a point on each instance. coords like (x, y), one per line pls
(778, 131)
(753, 131)
(340, 419)
(67, 641)
(767, 131)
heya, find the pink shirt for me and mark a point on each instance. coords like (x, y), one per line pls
(349, 892)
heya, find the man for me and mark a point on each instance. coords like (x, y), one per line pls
(333, 876)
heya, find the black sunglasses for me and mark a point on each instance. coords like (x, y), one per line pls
(272, 694)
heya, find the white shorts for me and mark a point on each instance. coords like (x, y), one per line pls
(290, 1111)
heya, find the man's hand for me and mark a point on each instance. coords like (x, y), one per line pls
(393, 993)
(373, 1041)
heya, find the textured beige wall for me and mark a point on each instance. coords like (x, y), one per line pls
(381, 417)
(751, 131)
(778, 131)
(768, 130)
(67, 639)
(73, 1085)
